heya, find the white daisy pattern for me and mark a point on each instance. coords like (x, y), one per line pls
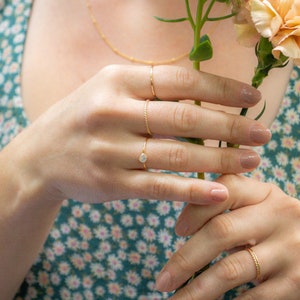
(114, 250)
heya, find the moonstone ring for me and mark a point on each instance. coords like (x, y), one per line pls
(143, 156)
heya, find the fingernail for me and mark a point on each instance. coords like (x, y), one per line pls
(163, 281)
(219, 195)
(249, 160)
(250, 95)
(259, 134)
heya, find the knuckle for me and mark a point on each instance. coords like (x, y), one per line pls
(193, 193)
(234, 127)
(181, 263)
(185, 78)
(184, 118)
(293, 280)
(190, 294)
(225, 88)
(293, 210)
(98, 115)
(220, 227)
(99, 151)
(112, 72)
(252, 296)
(178, 156)
(225, 160)
(230, 269)
(160, 188)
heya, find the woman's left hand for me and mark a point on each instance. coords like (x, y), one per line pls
(258, 215)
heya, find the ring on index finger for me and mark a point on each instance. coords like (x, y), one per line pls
(256, 262)
(152, 83)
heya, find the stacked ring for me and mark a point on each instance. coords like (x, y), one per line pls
(143, 156)
(256, 262)
(146, 117)
(152, 83)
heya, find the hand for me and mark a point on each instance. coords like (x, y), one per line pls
(87, 146)
(262, 217)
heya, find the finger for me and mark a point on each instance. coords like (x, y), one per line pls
(225, 231)
(228, 273)
(193, 218)
(281, 287)
(159, 186)
(240, 188)
(173, 82)
(172, 155)
(179, 156)
(188, 120)
(167, 118)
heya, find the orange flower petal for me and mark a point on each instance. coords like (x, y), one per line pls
(265, 18)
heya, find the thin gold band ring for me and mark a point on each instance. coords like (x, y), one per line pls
(143, 156)
(152, 83)
(256, 262)
(146, 117)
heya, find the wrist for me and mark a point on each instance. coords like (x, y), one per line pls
(26, 216)
(23, 179)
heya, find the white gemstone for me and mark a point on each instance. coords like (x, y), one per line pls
(143, 158)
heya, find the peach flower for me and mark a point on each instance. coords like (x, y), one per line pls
(277, 20)
(247, 34)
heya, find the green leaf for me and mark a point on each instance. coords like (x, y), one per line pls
(171, 20)
(204, 50)
(266, 61)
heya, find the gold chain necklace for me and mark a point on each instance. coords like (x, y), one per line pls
(123, 55)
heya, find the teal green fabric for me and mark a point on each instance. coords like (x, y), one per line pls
(115, 250)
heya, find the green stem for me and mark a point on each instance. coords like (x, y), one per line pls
(221, 18)
(197, 31)
(205, 17)
(196, 64)
(200, 21)
(189, 13)
(244, 112)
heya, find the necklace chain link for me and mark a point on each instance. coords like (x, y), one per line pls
(123, 55)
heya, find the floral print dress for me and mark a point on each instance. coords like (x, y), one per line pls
(115, 250)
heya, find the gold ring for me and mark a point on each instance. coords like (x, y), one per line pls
(146, 117)
(256, 262)
(143, 156)
(152, 83)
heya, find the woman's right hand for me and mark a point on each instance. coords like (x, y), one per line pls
(87, 146)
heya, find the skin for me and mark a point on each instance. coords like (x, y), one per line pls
(74, 51)
(272, 231)
(106, 116)
(96, 116)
